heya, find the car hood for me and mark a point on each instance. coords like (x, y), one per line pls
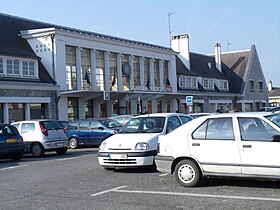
(128, 141)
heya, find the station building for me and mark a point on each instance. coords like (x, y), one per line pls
(57, 72)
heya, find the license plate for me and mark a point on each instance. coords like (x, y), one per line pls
(117, 156)
(60, 144)
(11, 140)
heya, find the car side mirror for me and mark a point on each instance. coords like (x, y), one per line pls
(100, 128)
(276, 138)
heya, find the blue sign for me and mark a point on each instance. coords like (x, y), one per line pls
(189, 99)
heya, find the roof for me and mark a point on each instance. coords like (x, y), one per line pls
(13, 45)
(234, 67)
(275, 92)
(22, 24)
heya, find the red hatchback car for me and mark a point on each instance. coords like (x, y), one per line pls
(11, 142)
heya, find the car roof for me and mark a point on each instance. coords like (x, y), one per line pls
(239, 114)
(161, 115)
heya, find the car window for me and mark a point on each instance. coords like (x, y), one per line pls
(73, 125)
(172, 124)
(84, 125)
(185, 119)
(275, 118)
(27, 127)
(95, 124)
(215, 129)
(255, 129)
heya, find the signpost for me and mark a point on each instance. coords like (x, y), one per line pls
(106, 95)
(189, 101)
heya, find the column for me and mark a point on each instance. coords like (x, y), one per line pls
(27, 111)
(109, 108)
(161, 82)
(119, 71)
(107, 71)
(142, 85)
(131, 76)
(96, 108)
(93, 69)
(154, 106)
(6, 113)
(81, 105)
(152, 74)
(79, 70)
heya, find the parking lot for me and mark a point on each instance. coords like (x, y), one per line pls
(76, 181)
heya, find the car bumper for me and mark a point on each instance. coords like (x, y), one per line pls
(49, 145)
(7, 150)
(164, 163)
(126, 159)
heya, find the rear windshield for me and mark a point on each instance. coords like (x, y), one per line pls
(51, 125)
(8, 130)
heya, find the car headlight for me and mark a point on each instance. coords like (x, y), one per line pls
(102, 146)
(142, 146)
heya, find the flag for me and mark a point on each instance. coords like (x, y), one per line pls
(148, 84)
(87, 77)
(139, 109)
(167, 82)
(114, 79)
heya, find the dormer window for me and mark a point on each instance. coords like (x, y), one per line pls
(208, 84)
(187, 82)
(223, 85)
(17, 67)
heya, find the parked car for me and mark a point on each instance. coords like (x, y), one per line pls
(274, 109)
(136, 144)
(87, 132)
(11, 142)
(63, 123)
(42, 135)
(229, 145)
(111, 123)
(200, 114)
(123, 119)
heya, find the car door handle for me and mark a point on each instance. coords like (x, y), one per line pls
(195, 144)
(247, 146)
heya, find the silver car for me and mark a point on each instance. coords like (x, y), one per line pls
(42, 135)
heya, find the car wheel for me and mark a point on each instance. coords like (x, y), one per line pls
(17, 156)
(73, 143)
(37, 150)
(187, 173)
(61, 151)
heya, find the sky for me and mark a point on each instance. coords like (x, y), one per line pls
(236, 24)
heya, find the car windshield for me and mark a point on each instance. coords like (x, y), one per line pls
(275, 118)
(144, 125)
(110, 123)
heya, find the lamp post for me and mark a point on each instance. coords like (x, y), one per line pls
(169, 14)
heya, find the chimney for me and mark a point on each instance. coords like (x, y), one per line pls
(218, 56)
(269, 86)
(180, 43)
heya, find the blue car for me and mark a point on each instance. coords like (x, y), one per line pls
(87, 132)
(11, 142)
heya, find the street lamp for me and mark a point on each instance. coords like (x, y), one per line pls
(169, 14)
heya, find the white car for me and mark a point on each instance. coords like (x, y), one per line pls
(229, 145)
(136, 144)
(42, 135)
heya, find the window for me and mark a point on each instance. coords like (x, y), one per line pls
(27, 127)
(156, 71)
(147, 73)
(187, 82)
(71, 72)
(12, 66)
(84, 125)
(1, 66)
(208, 84)
(260, 86)
(73, 109)
(223, 85)
(255, 129)
(172, 123)
(100, 70)
(252, 85)
(113, 72)
(215, 129)
(86, 69)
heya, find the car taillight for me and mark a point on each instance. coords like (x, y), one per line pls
(43, 130)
